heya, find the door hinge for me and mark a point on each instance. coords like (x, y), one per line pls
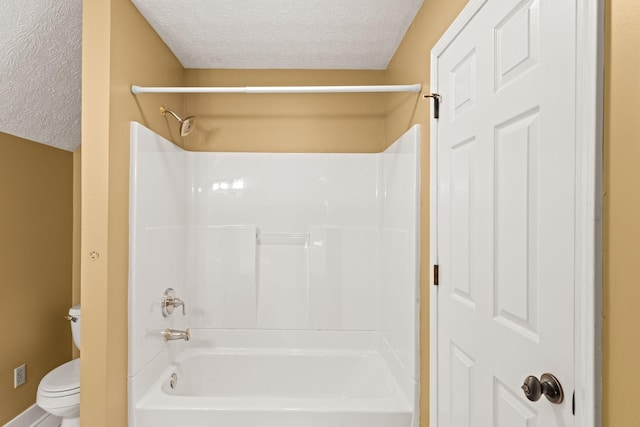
(435, 275)
(573, 404)
(436, 104)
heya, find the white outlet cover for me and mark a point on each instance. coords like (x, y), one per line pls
(19, 375)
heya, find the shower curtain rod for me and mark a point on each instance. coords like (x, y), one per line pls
(415, 88)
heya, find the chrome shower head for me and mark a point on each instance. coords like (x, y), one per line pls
(186, 125)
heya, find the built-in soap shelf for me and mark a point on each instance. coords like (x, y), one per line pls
(282, 238)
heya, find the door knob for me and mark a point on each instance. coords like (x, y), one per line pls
(547, 385)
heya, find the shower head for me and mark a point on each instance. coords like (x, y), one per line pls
(186, 125)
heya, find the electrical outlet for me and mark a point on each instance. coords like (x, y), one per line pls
(19, 375)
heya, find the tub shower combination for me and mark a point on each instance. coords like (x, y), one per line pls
(273, 290)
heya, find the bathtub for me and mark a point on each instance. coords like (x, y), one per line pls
(275, 387)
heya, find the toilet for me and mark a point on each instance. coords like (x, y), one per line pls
(59, 390)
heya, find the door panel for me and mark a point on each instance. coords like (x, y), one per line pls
(505, 200)
(516, 290)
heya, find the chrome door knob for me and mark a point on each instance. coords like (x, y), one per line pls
(547, 385)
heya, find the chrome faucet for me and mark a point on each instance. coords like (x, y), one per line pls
(169, 302)
(176, 334)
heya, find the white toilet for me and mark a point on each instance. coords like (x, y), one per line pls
(59, 390)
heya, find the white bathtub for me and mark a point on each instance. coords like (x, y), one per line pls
(275, 387)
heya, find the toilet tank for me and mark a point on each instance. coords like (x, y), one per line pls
(74, 313)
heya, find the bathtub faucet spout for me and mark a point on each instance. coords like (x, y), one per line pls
(175, 334)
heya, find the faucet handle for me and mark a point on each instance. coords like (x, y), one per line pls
(170, 301)
(178, 302)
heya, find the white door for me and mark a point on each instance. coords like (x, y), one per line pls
(506, 150)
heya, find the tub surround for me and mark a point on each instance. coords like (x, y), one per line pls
(304, 249)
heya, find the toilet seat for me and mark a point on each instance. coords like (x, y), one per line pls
(49, 402)
(60, 388)
(62, 381)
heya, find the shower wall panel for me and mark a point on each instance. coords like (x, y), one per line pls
(344, 290)
(284, 193)
(283, 288)
(289, 198)
(158, 240)
(399, 209)
(223, 286)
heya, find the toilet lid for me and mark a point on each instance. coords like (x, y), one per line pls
(64, 378)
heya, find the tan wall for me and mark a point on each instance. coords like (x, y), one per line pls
(621, 325)
(119, 49)
(286, 123)
(412, 64)
(35, 272)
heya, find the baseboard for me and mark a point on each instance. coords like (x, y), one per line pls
(34, 416)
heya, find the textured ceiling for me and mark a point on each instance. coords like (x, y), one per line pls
(40, 83)
(297, 34)
(40, 47)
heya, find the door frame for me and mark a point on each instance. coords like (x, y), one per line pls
(588, 210)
